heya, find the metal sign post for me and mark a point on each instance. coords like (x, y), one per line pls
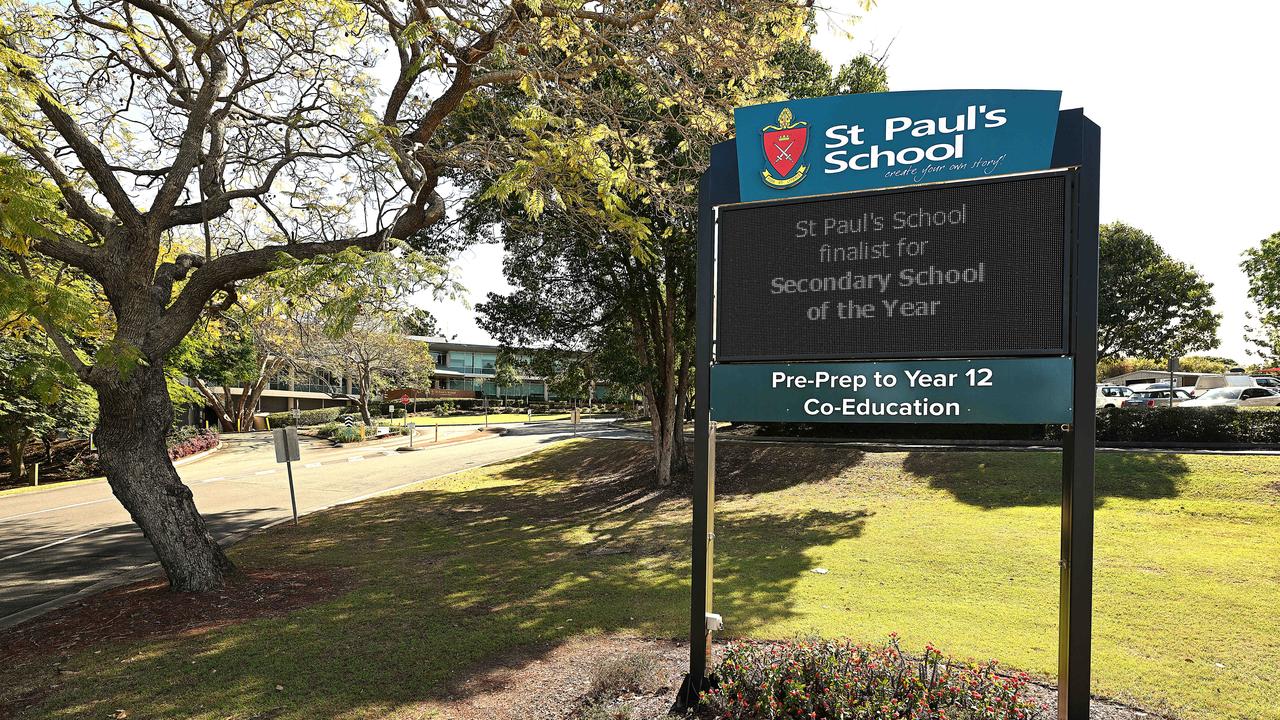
(783, 344)
(288, 452)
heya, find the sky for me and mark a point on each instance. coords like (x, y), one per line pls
(1184, 92)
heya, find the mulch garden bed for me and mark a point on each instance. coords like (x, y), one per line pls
(148, 609)
(555, 683)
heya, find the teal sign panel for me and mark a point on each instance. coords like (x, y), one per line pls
(1005, 391)
(818, 146)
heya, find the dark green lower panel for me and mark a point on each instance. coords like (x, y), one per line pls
(1010, 391)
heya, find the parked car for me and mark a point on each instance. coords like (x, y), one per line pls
(1233, 380)
(1267, 381)
(1158, 398)
(1111, 396)
(1236, 397)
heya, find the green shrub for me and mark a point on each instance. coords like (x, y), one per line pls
(327, 429)
(843, 680)
(1189, 425)
(318, 416)
(344, 434)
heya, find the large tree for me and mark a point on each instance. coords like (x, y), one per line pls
(604, 266)
(1148, 303)
(376, 355)
(1262, 266)
(251, 132)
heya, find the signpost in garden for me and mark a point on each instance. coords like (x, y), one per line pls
(919, 257)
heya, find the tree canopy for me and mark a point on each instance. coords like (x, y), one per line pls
(1148, 303)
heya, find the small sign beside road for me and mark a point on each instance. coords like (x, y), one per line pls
(286, 441)
(288, 452)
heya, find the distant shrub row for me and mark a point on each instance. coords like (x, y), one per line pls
(1175, 426)
(318, 416)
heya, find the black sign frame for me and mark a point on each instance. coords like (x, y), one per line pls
(1077, 148)
(1070, 189)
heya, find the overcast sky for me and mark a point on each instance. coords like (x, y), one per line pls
(1185, 94)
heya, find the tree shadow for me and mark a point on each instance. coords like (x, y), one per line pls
(572, 541)
(30, 576)
(1008, 479)
(754, 467)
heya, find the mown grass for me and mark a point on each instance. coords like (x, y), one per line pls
(957, 549)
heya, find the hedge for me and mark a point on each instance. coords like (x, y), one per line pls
(1173, 426)
(1189, 426)
(318, 416)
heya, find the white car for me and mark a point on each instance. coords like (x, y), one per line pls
(1236, 397)
(1111, 396)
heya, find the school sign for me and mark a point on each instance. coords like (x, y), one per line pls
(819, 146)
(914, 257)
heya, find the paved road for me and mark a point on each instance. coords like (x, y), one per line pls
(55, 542)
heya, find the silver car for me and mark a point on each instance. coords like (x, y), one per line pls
(1237, 397)
(1158, 398)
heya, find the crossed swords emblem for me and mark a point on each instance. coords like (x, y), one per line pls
(783, 153)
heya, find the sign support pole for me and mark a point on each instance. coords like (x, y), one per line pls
(718, 185)
(1075, 605)
(293, 500)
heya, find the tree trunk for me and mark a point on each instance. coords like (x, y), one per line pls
(17, 441)
(679, 456)
(134, 418)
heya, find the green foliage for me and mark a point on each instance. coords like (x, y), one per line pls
(1262, 266)
(316, 416)
(1149, 303)
(815, 679)
(1112, 366)
(39, 396)
(348, 434)
(1189, 426)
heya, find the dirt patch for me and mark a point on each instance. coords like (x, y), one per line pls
(1273, 487)
(554, 683)
(148, 609)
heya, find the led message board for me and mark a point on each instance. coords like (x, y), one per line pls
(950, 271)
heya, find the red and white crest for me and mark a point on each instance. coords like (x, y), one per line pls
(784, 146)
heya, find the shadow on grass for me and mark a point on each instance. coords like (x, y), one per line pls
(571, 541)
(1007, 479)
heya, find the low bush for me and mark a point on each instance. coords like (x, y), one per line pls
(318, 416)
(327, 429)
(188, 440)
(836, 680)
(632, 673)
(345, 434)
(1187, 426)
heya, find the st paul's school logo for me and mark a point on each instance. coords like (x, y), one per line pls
(784, 146)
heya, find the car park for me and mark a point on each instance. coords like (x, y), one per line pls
(1158, 398)
(1111, 396)
(1267, 381)
(1236, 397)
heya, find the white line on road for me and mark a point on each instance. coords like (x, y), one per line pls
(214, 479)
(52, 509)
(265, 472)
(312, 465)
(356, 458)
(46, 546)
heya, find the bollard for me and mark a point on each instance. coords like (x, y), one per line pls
(35, 474)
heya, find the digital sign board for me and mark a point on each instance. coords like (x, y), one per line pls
(975, 269)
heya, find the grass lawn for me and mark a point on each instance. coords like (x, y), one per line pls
(958, 549)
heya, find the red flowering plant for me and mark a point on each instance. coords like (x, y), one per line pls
(188, 441)
(830, 680)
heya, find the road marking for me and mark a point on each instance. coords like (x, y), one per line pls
(312, 465)
(214, 479)
(356, 458)
(46, 546)
(52, 509)
(265, 472)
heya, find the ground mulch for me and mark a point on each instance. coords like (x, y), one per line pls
(555, 683)
(148, 609)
